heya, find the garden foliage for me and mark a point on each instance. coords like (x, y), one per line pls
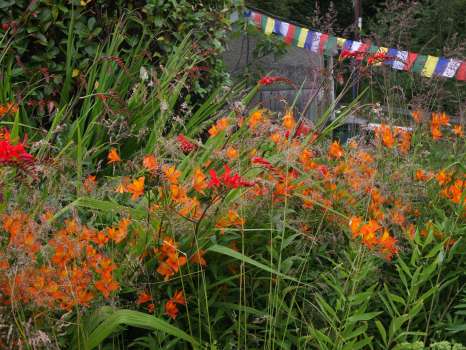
(126, 224)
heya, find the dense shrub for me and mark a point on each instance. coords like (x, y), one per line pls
(49, 44)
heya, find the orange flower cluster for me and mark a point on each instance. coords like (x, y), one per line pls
(144, 298)
(136, 188)
(388, 137)
(7, 108)
(438, 120)
(221, 125)
(75, 272)
(335, 150)
(385, 243)
(453, 189)
(187, 206)
(171, 307)
(169, 259)
(231, 219)
(256, 119)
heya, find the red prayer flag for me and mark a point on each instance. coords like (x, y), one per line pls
(461, 74)
(290, 35)
(323, 41)
(410, 60)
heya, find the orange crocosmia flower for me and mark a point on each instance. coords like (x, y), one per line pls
(443, 177)
(90, 183)
(120, 233)
(168, 246)
(458, 130)
(101, 238)
(113, 156)
(443, 119)
(435, 132)
(171, 309)
(398, 218)
(198, 258)
(276, 138)
(136, 188)
(171, 174)
(106, 286)
(165, 270)
(355, 225)
(9, 107)
(387, 244)
(386, 135)
(191, 207)
(417, 116)
(150, 162)
(151, 308)
(178, 298)
(232, 153)
(178, 193)
(199, 181)
(221, 125)
(288, 121)
(335, 150)
(368, 233)
(175, 262)
(213, 131)
(421, 175)
(255, 119)
(143, 298)
(405, 143)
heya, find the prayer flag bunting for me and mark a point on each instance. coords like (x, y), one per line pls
(323, 43)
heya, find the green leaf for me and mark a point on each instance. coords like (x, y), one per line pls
(231, 253)
(396, 324)
(383, 333)
(362, 317)
(137, 319)
(359, 345)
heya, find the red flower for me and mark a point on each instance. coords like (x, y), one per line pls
(15, 154)
(214, 180)
(228, 180)
(185, 145)
(271, 80)
(262, 161)
(303, 130)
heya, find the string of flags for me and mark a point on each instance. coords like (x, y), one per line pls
(326, 44)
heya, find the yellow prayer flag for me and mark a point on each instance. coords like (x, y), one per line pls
(269, 25)
(302, 37)
(341, 42)
(429, 67)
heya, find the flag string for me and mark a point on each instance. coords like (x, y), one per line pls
(327, 44)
